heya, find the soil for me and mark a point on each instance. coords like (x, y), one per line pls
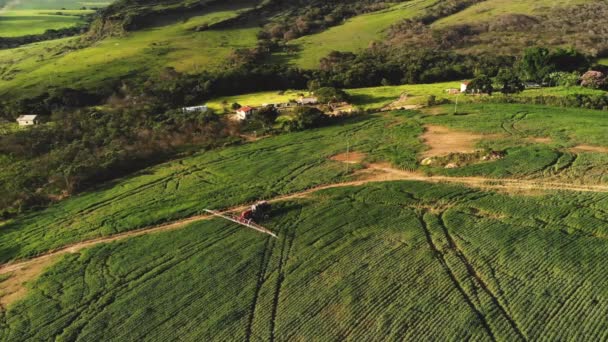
(443, 141)
(350, 158)
(589, 148)
(541, 140)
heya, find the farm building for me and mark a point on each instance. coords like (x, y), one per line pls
(303, 101)
(244, 113)
(464, 86)
(202, 109)
(28, 120)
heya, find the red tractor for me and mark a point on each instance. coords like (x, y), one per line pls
(256, 213)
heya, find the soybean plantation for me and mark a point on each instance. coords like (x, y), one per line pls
(397, 260)
(360, 253)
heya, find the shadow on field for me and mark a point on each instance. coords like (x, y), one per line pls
(364, 99)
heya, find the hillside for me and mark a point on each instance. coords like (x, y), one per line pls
(509, 249)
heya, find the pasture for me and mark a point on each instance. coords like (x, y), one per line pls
(491, 9)
(375, 98)
(144, 52)
(394, 261)
(32, 22)
(354, 34)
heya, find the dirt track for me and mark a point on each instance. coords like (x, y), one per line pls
(23, 271)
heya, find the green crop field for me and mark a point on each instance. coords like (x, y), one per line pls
(390, 260)
(394, 261)
(490, 9)
(177, 45)
(295, 162)
(353, 35)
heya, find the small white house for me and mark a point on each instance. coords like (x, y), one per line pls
(28, 120)
(464, 86)
(244, 113)
(201, 109)
(303, 101)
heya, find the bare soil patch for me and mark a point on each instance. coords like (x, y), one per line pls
(541, 140)
(589, 148)
(442, 141)
(350, 158)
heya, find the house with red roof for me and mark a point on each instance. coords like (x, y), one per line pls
(244, 113)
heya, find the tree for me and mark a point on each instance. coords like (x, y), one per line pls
(510, 82)
(329, 94)
(564, 79)
(594, 79)
(535, 64)
(308, 117)
(481, 84)
(266, 116)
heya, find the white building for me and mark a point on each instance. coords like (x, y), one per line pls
(303, 101)
(464, 86)
(244, 113)
(202, 109)
(28, 120)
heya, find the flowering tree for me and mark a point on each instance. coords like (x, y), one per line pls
(594, 79)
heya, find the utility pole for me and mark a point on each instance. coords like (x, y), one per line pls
(347, 156)
(456, 105)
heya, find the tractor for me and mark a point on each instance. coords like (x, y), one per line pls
(256, 213)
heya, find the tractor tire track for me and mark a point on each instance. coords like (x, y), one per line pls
(268, 247)
(286, 245)
(478, 279)
(441, 258)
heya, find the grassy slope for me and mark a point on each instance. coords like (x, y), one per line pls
(144, 52)
(26, 22)
(357, 263)
(356, 33)
(489, 9)
(603, 61)
(55, 4)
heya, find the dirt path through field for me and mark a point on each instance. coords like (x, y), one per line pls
(27, 270)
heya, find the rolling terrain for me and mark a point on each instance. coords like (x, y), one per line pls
(502, 250)
(420, 213)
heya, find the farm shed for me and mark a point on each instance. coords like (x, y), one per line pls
(464, 86)
(201, 109)
(28, 120)
(307, 101)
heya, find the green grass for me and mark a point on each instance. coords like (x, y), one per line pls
(31, 22)
(54, 4)
(603, 61)
(32, 68)
(487, 10)
(355, 34)
(255, 99)
(392, 261)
